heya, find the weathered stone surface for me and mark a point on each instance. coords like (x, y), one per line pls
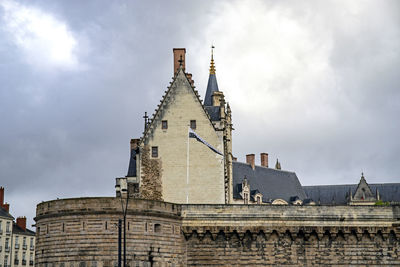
(83, 232)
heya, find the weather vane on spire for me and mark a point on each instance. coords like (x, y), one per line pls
(212, 65)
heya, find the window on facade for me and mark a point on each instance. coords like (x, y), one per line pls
(1, 224)
(154, 151)
(24, 241)
(157, 228)
(164, 125)
(6, 244)
(5, 260)
(193, 124)
(8, 227)
(31, 242)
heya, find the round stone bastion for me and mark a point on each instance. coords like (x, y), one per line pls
(83, 232)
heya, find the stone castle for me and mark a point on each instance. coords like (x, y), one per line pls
(191, 203)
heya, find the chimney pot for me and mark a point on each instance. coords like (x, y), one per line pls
(264, 159)
(250, 159)
(178, 52)
(21, 222)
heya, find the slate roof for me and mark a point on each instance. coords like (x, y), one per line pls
(18, 230)
(5, 214)
(271, 183)
(132, 164)
(214, 112)
(326, 194)
(212, 87)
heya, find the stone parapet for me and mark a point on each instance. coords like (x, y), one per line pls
(83, 232)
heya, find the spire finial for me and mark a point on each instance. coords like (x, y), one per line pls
(212, 65)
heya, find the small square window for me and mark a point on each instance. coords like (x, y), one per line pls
(154, 151)
(193, 124)
(164, 124)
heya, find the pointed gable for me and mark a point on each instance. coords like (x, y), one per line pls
(179, 79)
(363, 191)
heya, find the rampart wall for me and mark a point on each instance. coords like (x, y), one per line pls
(83, 233)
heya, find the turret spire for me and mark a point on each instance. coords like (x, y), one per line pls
(212, 85)
(212, 64)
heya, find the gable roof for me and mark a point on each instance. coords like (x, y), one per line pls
(325, 194)
(271, 183)
(164, 99)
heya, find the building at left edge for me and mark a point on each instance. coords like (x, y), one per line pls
(17, 243)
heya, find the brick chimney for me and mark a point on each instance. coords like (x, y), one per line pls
(178, 52)
(1, 196)
(264, 159)
(21, 222)
(6, 207)
(250, 159)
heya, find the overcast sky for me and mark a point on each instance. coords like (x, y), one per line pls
(313, 83)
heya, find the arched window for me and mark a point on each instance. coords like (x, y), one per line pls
(157, 228)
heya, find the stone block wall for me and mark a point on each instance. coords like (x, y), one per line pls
(83, 232)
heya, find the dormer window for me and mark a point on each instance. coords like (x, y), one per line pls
(164, 125)
(193, 124)
(258, 200)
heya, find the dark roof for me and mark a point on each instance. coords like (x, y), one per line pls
(4, 213)
(20, 231)
(212, 87)
(132, 164)
(214, 112)
(271, 183)
(338, 194)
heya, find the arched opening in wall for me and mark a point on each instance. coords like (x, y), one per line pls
(157, 228)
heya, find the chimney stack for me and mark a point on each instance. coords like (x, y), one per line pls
(179, 54)
(1, 196)
(21, 222)
(264, 159)
(250, 160)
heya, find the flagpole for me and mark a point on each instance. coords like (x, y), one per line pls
(187, 167)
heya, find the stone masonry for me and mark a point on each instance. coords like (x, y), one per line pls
(83, 232)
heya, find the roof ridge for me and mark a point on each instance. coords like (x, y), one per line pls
(244, 163)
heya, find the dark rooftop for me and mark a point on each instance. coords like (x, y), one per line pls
(214, 112)
(271, 183)
(20, 231)
(338, 194)
(5, 214)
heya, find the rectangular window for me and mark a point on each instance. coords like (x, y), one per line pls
(164, 125)
(8, 227)
(193, 124)
(154, 151)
